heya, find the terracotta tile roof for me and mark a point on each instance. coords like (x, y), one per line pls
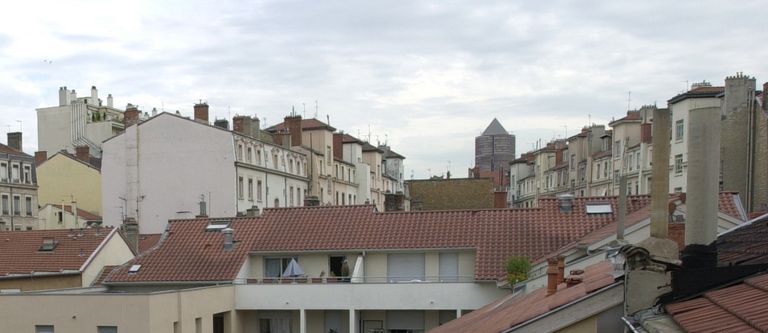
(102, 275)
(8, 150)
(147, 241)
(738, 308)
(369, 147)
(746, 244)
(20, 250)
(494, 233)
(94, 162)
(697, 93)
(306, 124)
(346, 138)
(730, 205)
(516, 309)
(190, 253)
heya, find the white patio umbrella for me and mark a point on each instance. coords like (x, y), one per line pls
(293, 269)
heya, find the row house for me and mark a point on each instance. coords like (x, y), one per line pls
(292, 270)
(171, 167)
(344, 170)
(18, 186)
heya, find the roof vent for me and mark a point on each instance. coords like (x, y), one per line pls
(134, 269)
(565, 201)
(48, 244)
(218, 224)
(599, 208)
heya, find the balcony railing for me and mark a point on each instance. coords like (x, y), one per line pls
(359, 280)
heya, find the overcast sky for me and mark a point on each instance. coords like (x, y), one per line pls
(427, 76)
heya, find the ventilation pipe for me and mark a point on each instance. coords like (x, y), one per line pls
(229, 239)
(565, 202)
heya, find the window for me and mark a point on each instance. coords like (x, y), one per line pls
(28, 205)
(3, 172)
(290, 166)
(678, 164)
(27, 175)
(679, 130)
(239, 152)
(274, 161)
(198, 325)
(321, 195)
(240, 188)
(44, 329)
(258, 156)
(616, 176)
(605, 169)
(106, 329)
(617, 149)
(15, 173)
(405, 267)
(258, 190)
(290, 197)
(678, 190)
(449, 267)
(328, 156)
(5, 204)
(573, 162)
(248, 156)
(298, 197)
(637, 160)
(598, 170)
(337, 198)
(250, 189)
(298, 168)
(277, 203)
(274, 267)
(16, 205)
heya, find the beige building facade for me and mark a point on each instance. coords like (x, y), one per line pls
(63, 178)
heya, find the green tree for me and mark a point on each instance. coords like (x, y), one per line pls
(517, 269)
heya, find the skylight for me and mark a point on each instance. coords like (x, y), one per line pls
(217, 225)
(134, 269)
(599, 208)
(48, 244)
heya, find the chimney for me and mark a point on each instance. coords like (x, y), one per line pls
(560, 269)
(221, 123)
(565, 202)
(645, 132)
(131, 115)
(14, 140)
(552, 273)
(703, 185)
(109, 100)
(238, 123)
(131, 230)
(338, 145)
(94, 95)
(660, 174)
(203, 207)
(63, 94)
(293, 124)
(311, 201)
(285, 138)
(765, 96)
(83, 153)
(40, 157)
(229, 239)
(201, 112)
(252, 212)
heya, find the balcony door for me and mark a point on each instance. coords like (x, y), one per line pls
(405, 267)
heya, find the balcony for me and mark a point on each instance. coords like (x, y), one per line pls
(375, 294)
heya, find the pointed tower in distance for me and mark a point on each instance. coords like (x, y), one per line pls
(494, 149)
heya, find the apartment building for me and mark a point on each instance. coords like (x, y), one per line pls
(78, 121)
(172, 167)
(315, 269)
(18, 186)
(61, 216)
(345, 170)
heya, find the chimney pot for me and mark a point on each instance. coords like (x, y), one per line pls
(131, 115)
(560, 269)
(552, 272)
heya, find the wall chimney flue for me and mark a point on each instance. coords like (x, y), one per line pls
(14, 140)
(293, 124)
(131, 115)
(40, 157)
(565, 202)
(660, 174)
(229, 239)
(109, 100)
(83, 153)
(703, 185)
(552, 275)
(201, 112)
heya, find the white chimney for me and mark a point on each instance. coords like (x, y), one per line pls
(229, 238)
(109, 100)
(703, 175)
(94, 94)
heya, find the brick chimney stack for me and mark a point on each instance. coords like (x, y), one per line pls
(338, 145)
(14, 140)
(552, 275)
(560, 269)
(83, 153)
(131, 115)
(201, 112)
(293, 124)
(40, 157)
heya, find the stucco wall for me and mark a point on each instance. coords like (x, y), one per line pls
(114, 252)
(61, 179)
(42, 283)
(452, 194)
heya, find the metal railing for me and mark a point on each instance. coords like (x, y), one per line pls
(358, 280)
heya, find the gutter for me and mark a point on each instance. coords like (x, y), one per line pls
(153, 283)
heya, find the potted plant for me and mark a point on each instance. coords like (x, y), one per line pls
(517, 269)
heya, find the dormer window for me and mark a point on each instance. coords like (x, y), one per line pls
(217, 224)
(599, 208)
(134, 269)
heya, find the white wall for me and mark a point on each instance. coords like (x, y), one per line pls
(179, 160)
(680, 111)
